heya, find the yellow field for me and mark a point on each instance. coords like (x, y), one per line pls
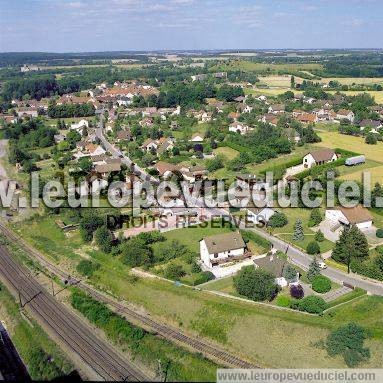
(354, 80)
(377, 95)
(355, 144)
(376, 175)
(268, 92)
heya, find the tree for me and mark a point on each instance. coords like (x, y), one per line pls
(104, 239)
(313, 248)
(319, 237)
(348, 341)
(292, 82)
(255, 284)
(351, 245)
(314, 270)
(321, 284)
(376, 192)
(87, 268)
(135, 253)
(215, 164)
(85, 164)
(315, 217)
(371, 139)
(312, 304)
(290, 273)
(298, 231)
(88, 224)
(278, 220)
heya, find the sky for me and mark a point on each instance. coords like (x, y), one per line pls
(110, 25)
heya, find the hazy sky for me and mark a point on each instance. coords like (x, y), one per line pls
(99, 25)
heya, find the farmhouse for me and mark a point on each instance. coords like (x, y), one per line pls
(345, 114)
(221, 248)
(27, 112)
(374, 125)
(79, 126)
(319, 157)
(307, 118)
(276, 109)
(357, 215)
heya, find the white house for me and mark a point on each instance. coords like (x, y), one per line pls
(345, 114)
(357, 215)
(237, 127)
(319, 157)
(276, 109)
(222, 248)
(79, 126)
(27, 111)
(258, 215)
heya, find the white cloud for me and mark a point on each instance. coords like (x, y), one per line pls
(75, 4)
(355, 22)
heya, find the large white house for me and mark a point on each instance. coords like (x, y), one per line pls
(319, 157)
(258, 215)
(237, 127)
(357, 215)
(79, 126)
(221, 248)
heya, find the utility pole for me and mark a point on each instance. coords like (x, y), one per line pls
(53, 290)
(21, 304)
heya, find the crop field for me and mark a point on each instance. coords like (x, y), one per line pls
(249, 66)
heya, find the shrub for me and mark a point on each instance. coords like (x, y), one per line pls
(319, 237)
(321, 284)
(310, 304)
(195, 268)
(104, 239)
(278, 220)
(283, 301)
(371, 139)
(379, 233)
(296, 291)
(315, 217)
(205, 276)
(87, 268)
(174, 271)
(348, 341)
(313, 248)
(255, 284)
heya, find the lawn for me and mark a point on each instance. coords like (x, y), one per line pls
(286, 232)
(227, 152)
(374, 93)
(355, 144)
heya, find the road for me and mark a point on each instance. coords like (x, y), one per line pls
(134, 168)
(75, 335)
(173, 334)
(303, 260)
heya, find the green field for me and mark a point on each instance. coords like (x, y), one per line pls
(355, 144)
(249, 66)
(256, 332)
(227, 152)
(28, 337)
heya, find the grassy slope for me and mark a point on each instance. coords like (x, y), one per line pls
(262, 334)
(27, 336)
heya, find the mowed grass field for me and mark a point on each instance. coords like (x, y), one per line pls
(375, 172)
(355, 144)
(227, 152)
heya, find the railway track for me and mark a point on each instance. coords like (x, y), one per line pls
(201, 346)
(73, 333)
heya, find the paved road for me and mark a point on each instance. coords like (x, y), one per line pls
(75, 335)
(303, 260)
(139, 172)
